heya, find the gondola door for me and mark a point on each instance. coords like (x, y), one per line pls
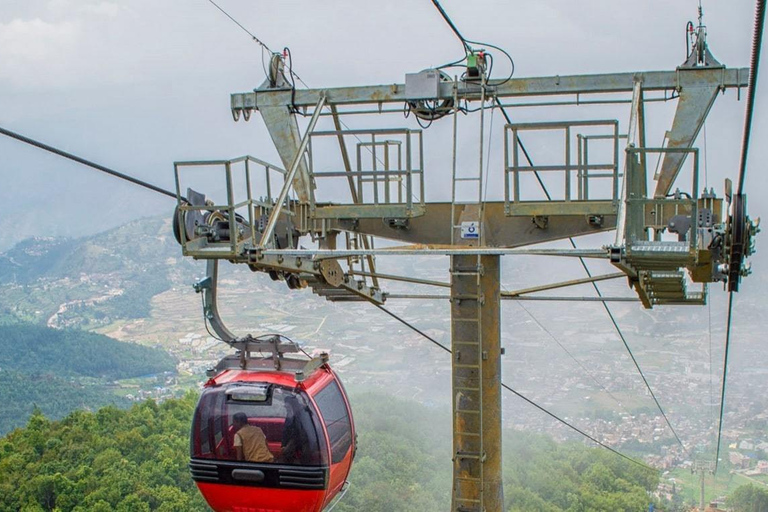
(334, 409)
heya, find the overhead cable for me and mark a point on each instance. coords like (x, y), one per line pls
(255, 39)
(520, 395)
(453, 27)
(581, 365)
(87, 163)
(757, 42)
(597, 290)
(288, 55)
(725, 375)
(468, 49)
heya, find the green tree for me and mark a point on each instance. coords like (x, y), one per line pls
(749, 498)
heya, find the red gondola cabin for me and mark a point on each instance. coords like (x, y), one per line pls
(307, 445)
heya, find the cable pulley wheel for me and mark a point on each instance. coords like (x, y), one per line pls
(738, 240)
(332, 272)
(178, 234)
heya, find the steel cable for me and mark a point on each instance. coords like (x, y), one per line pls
(757, 43)
(725, 375)
(581, 365)
(256, 40)
(597, 289)
(520, 395)
(87, 163)
(455, 30)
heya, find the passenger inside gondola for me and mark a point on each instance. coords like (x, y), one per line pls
(250, 442)
(297, 448)
(258, 423)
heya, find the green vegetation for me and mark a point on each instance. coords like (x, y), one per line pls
(57, 396)
(403, 458)
(92, 281)
(112, 460)
(136, 459)
(404, 455)
(540, 474)
(62, 370)
(749, 498)
(73, 352)
(723, 484)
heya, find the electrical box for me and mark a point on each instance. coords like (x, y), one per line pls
(424, 85)
(475, 66)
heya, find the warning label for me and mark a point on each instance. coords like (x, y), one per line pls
(470, 230)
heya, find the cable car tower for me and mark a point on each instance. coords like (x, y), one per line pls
(671, 235)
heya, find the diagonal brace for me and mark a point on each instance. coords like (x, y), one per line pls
(297, 159)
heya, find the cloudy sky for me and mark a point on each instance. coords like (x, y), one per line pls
(137, 84)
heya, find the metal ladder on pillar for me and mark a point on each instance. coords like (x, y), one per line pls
(472, 209)
(467, 369)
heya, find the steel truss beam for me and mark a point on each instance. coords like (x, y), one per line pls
(544, 298)
(310, 254)
(516, 87)
(475, 271)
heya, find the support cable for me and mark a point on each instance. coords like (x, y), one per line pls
(520, 395)
(757, 42)
(468, 49)
(88, 163)
(455, 30)
(257, 41)
(597, 289)
(725, 375)
(637, 365)
(291, 71)
(581, 365)
(711, 389)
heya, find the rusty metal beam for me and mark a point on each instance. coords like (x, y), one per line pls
(692, 109)
(284, 131)
(321, 254)
(404, 279)
(476, 384)
(537, 298)
(563, 284)
(516, 87)
(293, 177)
(433, 227)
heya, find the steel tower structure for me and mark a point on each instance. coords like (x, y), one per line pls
(668, 238)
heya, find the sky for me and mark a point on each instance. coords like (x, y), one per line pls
(138, 84)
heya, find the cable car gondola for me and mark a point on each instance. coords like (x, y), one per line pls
(271, 433)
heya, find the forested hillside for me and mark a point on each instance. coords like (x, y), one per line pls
(136, 460)
(62, 370)
(749, 498)
(111, 460)
(404, 464)
(74, 352)
(91, 281)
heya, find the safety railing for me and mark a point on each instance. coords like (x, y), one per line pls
(582, 168)
(386, 178)
(648, 217)
(220, 229)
